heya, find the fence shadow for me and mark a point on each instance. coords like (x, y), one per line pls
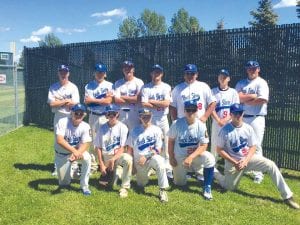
(33, 166)
(258, 196)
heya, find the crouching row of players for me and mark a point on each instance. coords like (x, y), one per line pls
(188, 141)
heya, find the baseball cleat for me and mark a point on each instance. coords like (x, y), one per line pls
(291, 202)
(207, 193)
(86, 191)
(123, 193)
(163, 196)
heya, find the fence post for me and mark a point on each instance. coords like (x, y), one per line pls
(15, 81)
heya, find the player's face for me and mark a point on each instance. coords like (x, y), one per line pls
(145, 118)
(99, 76)
(223, 80)
(253, 73)
(190, 77)
(190, 113)
(156, 75)
(237, 118)
(77, 117)
(128, 72)
(63, 75)
(112, 117)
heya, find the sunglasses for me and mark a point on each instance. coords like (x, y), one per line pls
(190, 73)
(79, 113)
(191, 110)
(238, 113)
(111, 114)
(145, 116)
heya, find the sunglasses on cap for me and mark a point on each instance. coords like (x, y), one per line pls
(111, 114)
(189, 110)
(238, 113)
(79, 113)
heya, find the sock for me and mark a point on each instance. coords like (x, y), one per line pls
(208, 176)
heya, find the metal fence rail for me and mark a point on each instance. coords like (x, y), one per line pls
(276, 48)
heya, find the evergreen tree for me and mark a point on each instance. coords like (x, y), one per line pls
(220, 24)
(150, 23)
(298, 9)
(50, 40)
(129, 28)
(264, 15)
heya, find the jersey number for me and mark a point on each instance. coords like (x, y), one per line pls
(199, 105)
(225, 114)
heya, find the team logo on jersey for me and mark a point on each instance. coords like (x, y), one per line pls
(72, 140)
(157, 96)
(101, 93)
(145, 143)
(67, 96)
(193, 97)
(248, 91)
(236, 146)
(187, 141)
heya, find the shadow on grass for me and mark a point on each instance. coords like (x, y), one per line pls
(258, 196)
(290, 176)
(32, 166)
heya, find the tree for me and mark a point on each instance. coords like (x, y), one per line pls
(298, 8)
(50, 40)
(264, 15)
(21, 60)
(150, 23)
(129, 28)
(183, 23)
(220, 24)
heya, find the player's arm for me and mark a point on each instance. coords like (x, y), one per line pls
(171, 144)
(64, 144)
(173, 112)
(226, 156)
(57, 102)
(101, 161)
(130, 99)
(160, 103)
(84, 147)
(147, 105)
(244, 162)
(257, 101)
(208, 111)
(246, 97)
(199, 151)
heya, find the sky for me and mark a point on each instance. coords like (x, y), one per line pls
(25, 22)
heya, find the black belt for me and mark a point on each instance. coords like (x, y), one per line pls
(248, 116)
(97, 114)
(125, 110)
(65, 154)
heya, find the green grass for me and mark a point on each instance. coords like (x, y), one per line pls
(27, 193)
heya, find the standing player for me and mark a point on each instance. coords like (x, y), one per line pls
(254, 95)
(192, 90)
(62, 96)
(188, 141)
(144, 143)
(225, 97)
(110, 142)
(237, 145)
(98, 94)
(73, 138)
(126, 95)
(156, 97)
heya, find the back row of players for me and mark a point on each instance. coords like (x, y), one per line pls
(144, 109)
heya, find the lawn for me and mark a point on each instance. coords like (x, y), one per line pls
(28, 195)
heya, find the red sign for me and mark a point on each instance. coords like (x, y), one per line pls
(2, 78)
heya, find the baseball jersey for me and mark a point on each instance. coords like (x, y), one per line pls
(158, 92)
(225, 98)
(144, 140)
(59, 92)
(198, 92)
(187, 137)
(98, 91)
(73, 135)
(109, 139)
(256, 86)
(123, 87)
(236, 141)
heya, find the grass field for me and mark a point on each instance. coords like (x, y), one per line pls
(28, 195)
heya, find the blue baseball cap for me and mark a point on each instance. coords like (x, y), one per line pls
(128, 63)
(190, 104)
(101, 68)
(112, 108)
(63, 68)
(224, 72)
(190, 68)
(236, 108)
(252, 64)
(78, 107)
(157, 67)
(145, 111)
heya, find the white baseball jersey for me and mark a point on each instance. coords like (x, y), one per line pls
(236, 141)
(109, 139)
(73, 135)
(158, 92)
(98, 91)
(225, 98)
(257, 86)
(58, 92)
(128, 88)
(197, 91)
(144, 140)
(187, 137)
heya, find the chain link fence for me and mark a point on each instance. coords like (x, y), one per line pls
(276, 48)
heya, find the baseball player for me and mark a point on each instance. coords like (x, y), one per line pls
(126, 95)
(98, 94)
(225, 97)
(144, 143)
(188, 141)
(62, 96)
(192, 90)
(156, 96)
(73, 138)
(110, 142)
(254, 95)
(237, 145)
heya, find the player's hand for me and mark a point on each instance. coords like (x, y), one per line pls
(72, 158)
(187, 162)
(110, 164)
(77, 155)
(242, 164)
(142, 160)
(173, 161)
(88, 99)
(103, 170)
(222, 122)
(109, 94)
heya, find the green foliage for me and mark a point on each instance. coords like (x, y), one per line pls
(129, 28)
(298, 9)
(220, 24)
(28, 195)
(50, 40)
(183, 23)
(264, 15)
(150, 23)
